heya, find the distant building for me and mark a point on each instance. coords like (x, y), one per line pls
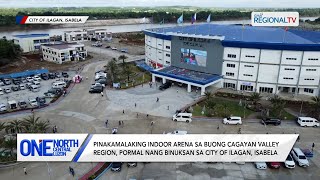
(86, 35)
(60, 53)
(31, 42)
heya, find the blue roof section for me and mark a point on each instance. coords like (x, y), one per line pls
(30, 35)
(24, 73)
(188, 75)
(249, 36)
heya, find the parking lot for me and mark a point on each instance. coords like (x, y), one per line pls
(26, 94)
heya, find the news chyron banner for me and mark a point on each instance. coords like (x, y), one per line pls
(155, 147)
(284, 19)
(51, 19)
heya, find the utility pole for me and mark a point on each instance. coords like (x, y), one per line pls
(301, 108)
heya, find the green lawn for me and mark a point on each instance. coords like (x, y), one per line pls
(233, 108)
(138, 78)
(285, 114)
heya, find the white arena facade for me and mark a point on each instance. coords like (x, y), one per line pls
(252, 59)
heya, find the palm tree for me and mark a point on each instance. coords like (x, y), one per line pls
(315, 107)
(10, 144)
(255, 98)
(127, 70)
(123, 58)
(15, 124)
(278, 105)
(112, 68)
(30, 123)
(2, 126)
(42, 126)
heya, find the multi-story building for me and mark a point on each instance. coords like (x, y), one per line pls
(254, 59)
(85, 35)
(31, 42)
(60, 53)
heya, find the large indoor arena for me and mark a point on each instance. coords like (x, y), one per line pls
(242, 58)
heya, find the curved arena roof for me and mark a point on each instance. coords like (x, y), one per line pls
(247, 36)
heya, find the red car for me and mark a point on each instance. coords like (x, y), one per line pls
(275, 165)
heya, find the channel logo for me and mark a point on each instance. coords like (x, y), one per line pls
(275, 19)
(48, 147)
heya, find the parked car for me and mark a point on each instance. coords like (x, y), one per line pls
(124, 50)
(57, 75)
(7, 90)
(28, 85)
(114, 48)
(1, 83)
(102, 81)
(275, 165)
(116, 166)
(16, 81)
(44, 76)
(186, 117)
(33, 102)
(132, 164)
(22, 104)
(37, 78)
(1, 91)
(289, 162)
(15, 88)
(232, 120)
(308, 153)
(308, 122)
(55, 91)
(23, 80)
(96, 89)
(272, 121)
(298, 156)
(51, 76)
(6, 81)
(165, 86)
(36, 83)
(22, 87)
(65, 75)
(260, 165)
(29, 79)
(3, 108)
(108, 46)
(41, 100)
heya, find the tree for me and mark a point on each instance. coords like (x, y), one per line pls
(208, 95)
(127, 70)
(255, 98)
(112, 68)
(10, 144)
(42, 126)
(278, 105)
(123, 58)
(15, 124)
(315, 112)
(30, 124)
(2, 126)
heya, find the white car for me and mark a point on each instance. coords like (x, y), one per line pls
(29, 79)
(232, 120)
(298, 155)
(114, 48)
(3, 108)
(289, 163)
(33, 102)
(22, 87)
(260, 165)
(7, 90)
(186, 117)
(1, 91)
(1, 83)
(37, 78)
(97, 84)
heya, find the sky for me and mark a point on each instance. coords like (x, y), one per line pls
(153, 3)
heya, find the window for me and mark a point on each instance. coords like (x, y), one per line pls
(247, 75)
(307, 79)
(311, 69)
(159, 52)
(168, 62)
(291, 58)
(250, 56)
(232, 56)
(229, 85)
(289, 69)
(307, 90)
(265, 90)
(160, 44)
(313, 59)
(231, 65)
(246, 88)
(168, 55)
(229, 74)
(248, 66)
(288, 78)
(167, 47)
